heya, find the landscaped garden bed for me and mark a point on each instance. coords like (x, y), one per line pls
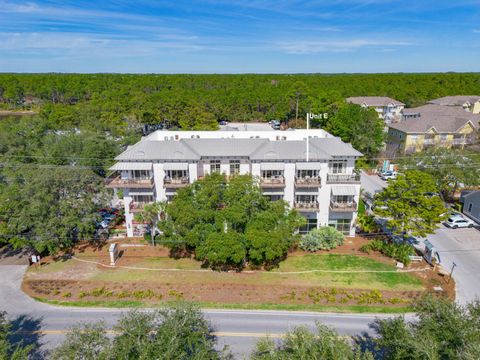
(342, 279)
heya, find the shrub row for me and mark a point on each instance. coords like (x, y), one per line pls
(399, 252)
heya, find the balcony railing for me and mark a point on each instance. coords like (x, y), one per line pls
(343, 206)
(308, 181)
(343, 178)
(306, 205)
(429, 141)
(175, 183)
(118, 182)
(273, 182)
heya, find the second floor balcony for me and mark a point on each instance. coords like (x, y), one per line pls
(343, 206)
(309, 206)
(115, 181)
(308, 181)
(353, 178)
(175, 182)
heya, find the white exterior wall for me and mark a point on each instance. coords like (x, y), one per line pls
(128, 215)
(192, 172)
(289, 175)
(244, 167)
(158, 176)
(256, 170)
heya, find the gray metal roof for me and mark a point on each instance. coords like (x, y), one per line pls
(457, 100)
(474, 196)
(257, 149)
(159, 150)
(374, 101)
(224, 147)
(443, 119)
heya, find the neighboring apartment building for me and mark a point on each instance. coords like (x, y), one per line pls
(432, 125)
(469, 103)
(388, 109)
(316, 178)
(471, 205)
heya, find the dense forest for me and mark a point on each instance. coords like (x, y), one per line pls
(119, 102)
(52, 164)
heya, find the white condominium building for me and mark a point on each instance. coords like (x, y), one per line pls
(316, 177)
(388, 109)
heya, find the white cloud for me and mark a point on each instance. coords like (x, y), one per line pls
(312, 47)
(476, 31)
(88, 43)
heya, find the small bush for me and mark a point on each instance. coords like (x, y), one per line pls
(82, 294)
(143, 294)
(102, 291)
(67, 295)
(324, 238)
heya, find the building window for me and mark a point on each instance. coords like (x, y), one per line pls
(273, 197)
(337, 166)
(342, 199)
(310, 225)
(234, 167)
(176, 174)
(142, 199)
(342, 225)
(141, 174)
(306, 199)
(214, 166)
(303, 174)
(272, 174)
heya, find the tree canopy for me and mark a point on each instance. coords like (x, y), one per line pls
(178, 332)
(227, 224)
(410, 205)
(8, 349)
(450, 168)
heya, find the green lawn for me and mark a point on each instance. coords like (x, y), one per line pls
(208, 305)
(280, 276)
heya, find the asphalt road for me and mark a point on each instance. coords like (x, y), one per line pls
(240, 330)
(462, 247)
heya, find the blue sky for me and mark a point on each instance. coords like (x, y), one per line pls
(238, 36)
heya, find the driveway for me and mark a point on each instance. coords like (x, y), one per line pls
(372, 184)
(462, 247)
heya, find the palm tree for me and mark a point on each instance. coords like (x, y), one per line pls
(150, 215)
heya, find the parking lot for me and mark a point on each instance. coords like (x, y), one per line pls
(462, 247)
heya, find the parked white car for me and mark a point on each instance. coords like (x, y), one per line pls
(458, 221)
(388, 175)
